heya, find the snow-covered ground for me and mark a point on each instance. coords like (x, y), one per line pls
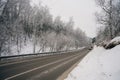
(99, 64)
(25, 49)
(117, 39)
(28, 49)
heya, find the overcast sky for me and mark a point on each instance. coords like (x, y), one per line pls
(82, 12)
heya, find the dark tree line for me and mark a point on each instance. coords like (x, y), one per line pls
(21, 22)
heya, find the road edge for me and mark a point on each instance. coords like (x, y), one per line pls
(65, 74)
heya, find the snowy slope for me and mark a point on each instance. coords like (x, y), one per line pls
(113, 43)
(117, 39)
(25, 49)
(99, 64)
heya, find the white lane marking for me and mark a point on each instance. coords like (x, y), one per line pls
(50, 70)
(22, 61)
(36, 68)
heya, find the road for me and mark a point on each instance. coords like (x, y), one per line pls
(40, 68)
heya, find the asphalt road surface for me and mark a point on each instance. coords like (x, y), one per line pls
(40, 68)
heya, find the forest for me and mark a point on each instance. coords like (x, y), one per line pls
(108, 19)
(23, 23)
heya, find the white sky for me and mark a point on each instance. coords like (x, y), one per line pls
(82, 12)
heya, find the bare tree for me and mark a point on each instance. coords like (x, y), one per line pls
(21, 23)
(105, 17)
(109, 19)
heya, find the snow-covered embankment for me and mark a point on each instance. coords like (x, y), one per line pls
(99, 64)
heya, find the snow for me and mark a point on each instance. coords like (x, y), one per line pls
(99, 64)
(28, 49)
(25, 49)
(117, 39)
(113, 43)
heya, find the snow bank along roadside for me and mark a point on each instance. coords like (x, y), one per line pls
(112, 43)
(99, 64)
